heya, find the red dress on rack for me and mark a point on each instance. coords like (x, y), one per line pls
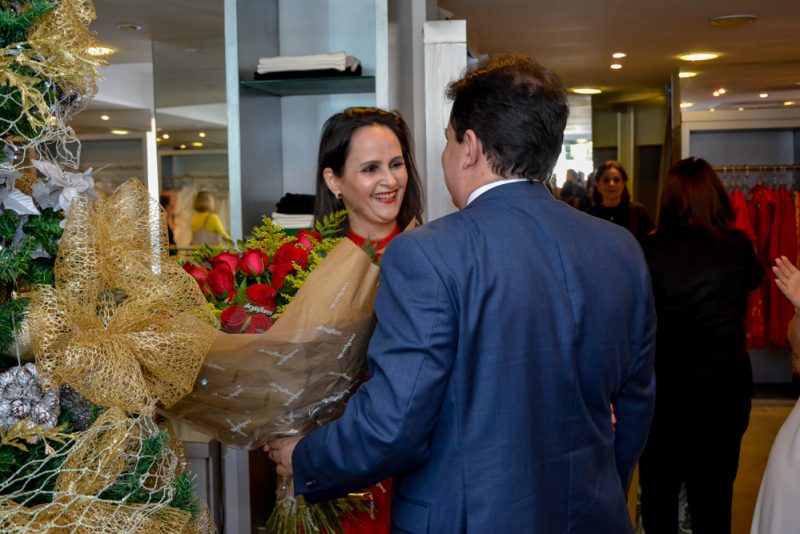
(754, 320)
(380, 522)
(783, 242)
(762, 208)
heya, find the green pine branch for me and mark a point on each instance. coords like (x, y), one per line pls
(18, 16)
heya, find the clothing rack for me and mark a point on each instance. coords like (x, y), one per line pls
(757, 168)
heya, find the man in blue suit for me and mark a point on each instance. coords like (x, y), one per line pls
(505, 333)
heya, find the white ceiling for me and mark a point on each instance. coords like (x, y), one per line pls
(573, 37)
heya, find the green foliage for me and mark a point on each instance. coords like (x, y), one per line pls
(130, 487)
(268, 237)
(11, 314)
(331, 224)
(19, 269)
(16, 18)
(319, 517)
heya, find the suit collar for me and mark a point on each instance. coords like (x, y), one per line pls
(513, 190)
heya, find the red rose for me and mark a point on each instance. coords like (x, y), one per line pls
(220, 280)
(289, 252)
(234, 319)
(226, 258)
(279, 272)
(259, 323)
(308, 239)
(253, 262)
(262, 295)
(199, 273)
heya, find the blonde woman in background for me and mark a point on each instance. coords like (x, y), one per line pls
(207, 228)
(777, 509)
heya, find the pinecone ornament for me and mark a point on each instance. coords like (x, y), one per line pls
(21, 398)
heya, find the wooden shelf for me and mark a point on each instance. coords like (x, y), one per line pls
(313, 86)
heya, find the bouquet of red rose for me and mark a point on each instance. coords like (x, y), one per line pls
(296, 315)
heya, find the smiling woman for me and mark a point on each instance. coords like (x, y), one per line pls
(366, 166)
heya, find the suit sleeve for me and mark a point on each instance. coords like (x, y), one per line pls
(636, 399)
(388, 422)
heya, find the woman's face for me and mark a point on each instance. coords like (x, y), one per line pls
(373, 182)
(611, 185)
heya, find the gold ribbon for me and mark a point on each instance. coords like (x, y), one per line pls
(124, 325)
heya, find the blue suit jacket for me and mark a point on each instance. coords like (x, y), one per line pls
(504, 332)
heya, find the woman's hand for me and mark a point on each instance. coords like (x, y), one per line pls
(787, 278)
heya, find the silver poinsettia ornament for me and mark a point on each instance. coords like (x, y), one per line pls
(22, 398)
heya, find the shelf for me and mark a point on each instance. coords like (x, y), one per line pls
(313, 86)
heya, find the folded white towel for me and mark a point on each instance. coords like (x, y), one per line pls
(335, 60)
(293, 221)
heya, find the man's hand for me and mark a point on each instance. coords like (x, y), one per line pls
(280, 452)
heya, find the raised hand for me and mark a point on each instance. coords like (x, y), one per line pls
(787, 278)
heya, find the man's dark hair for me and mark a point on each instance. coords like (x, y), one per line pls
(517, 109)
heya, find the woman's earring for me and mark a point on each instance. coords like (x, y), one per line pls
(338, 196)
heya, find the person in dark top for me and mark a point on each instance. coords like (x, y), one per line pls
(612, 200)
(702, 270)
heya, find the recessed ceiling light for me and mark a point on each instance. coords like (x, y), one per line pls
(722, 90)
(699, 56)
(104, 117)
(158, 139)
(619, 55)
(587, 91)
(741, 109)
(712, 110)
(687, 104)
(763, 95)
(197, 144)
(687, 74)
(119, 132)
(165, 136)
(128, 27)
(715, 93)
(201, 134)
(789, 103)
(100, 50)
(183, 146)
(616, 66)
(727, 21)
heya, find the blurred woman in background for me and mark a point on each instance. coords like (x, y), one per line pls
(702, 271)
(612, 200)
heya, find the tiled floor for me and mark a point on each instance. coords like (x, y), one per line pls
(766, 418)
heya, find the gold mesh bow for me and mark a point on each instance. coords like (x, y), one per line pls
(124, 325)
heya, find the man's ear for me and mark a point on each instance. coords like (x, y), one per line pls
(333, 182)
(474, 148)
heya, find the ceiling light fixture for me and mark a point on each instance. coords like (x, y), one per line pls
(687, 104)
(722, 90)
(619, 55)
(201, 134)
(183, 146)
(198, 144)
(616, 66)
(712, 110)
(119, 132)
(128, 27)
(104, 117)
(586, 91)
(100, 50)
(763, 95)
(687, 74)
(165, 136)
(789, 103)
(741, 109)
(699, 56)
(581, 141)
(729, 21)
(715, 93)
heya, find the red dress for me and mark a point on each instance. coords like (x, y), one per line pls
(380, 522)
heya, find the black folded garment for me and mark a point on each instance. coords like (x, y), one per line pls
(295, 204)
(317, 73)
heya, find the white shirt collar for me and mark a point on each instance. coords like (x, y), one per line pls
(491, 185)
